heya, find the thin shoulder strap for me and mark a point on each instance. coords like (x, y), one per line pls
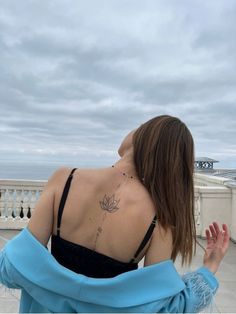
(63, 200)
(146, 237)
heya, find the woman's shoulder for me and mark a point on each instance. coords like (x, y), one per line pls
(61, 171)
(64, 172)
(85, 175)
(59, 177)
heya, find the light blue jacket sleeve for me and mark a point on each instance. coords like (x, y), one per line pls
(200, 287)
(6, 276)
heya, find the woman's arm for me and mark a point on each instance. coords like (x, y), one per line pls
(41, 221)
(200, 285)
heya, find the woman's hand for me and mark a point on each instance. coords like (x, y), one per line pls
(217, 246)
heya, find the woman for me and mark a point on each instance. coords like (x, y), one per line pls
(102, 222)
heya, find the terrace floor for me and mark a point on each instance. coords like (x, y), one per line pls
(225, 301)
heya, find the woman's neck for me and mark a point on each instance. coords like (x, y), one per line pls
(126, 164)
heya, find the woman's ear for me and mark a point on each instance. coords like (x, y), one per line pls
(120, 152)
(126, 144)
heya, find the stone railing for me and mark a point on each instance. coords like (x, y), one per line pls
(217, 202)
(212, 203)
(232, 186)
(201, 179)
(215, 205)
(17, 201)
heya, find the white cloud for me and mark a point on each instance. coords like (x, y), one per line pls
(76, 76)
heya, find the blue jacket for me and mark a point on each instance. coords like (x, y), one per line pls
(47, 286)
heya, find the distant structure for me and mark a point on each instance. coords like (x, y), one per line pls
(204, 163)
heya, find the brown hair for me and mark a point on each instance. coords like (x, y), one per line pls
(164, 161)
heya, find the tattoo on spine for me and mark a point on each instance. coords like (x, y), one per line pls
(109, 203)
(99, 231)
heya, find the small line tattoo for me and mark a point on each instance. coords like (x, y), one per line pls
(109, 203)
(99, 231)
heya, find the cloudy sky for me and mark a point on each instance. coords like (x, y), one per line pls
(77, 76)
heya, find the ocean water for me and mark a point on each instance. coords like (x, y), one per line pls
(36, 170)
(42, 170)
(28, 170)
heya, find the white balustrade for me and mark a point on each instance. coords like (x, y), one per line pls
(201, 179)
(232, 186)
(215, 205)
(215, 200)
(17, 202)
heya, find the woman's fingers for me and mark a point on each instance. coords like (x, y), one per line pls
(219, 240)
(208, 236)
(217, 228)
(226, 236)
(213, 232)
(225, 229)
(210, 240)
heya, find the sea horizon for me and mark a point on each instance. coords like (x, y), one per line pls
(42, 170)
(34, 170)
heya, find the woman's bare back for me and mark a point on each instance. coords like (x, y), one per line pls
(87, 220)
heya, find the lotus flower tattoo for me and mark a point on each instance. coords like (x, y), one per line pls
(109, 203)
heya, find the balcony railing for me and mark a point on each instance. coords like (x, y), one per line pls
(214, 201)
(17, 202)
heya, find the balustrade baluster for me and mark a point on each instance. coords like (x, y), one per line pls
(33, 202)
(5, 210)
(2, 204)
(10, 203)
(18, 204)
(25, 204)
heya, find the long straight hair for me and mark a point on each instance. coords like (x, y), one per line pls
(164, 161)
